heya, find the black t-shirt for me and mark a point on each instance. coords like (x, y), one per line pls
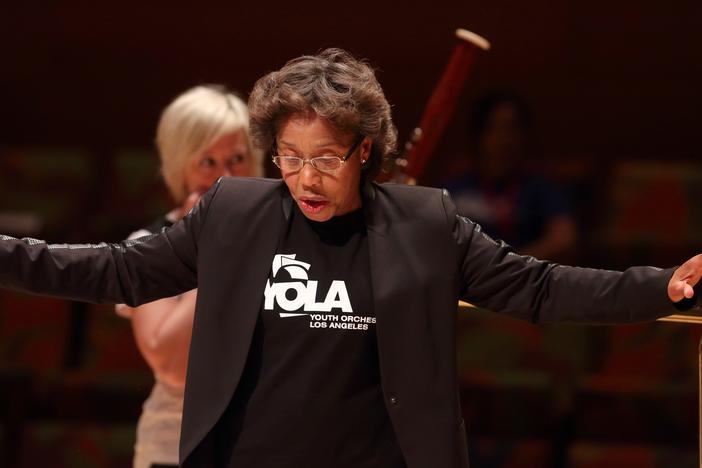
(310, 394)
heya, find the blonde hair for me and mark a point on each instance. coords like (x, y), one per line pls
(194, 121)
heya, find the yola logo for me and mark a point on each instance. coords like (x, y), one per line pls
(295, 295)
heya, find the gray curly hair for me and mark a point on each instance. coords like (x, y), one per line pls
(334, 85)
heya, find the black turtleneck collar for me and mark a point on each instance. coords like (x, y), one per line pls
(338, 229)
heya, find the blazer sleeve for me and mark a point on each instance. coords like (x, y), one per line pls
(133, 272)
(493, 276)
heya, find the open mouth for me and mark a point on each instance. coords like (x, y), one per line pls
(312, 206)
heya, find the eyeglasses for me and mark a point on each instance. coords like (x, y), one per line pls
(321, 163)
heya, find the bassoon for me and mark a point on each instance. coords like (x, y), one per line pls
(410, 165)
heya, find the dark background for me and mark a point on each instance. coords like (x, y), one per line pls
(606, 79)
(615, 91)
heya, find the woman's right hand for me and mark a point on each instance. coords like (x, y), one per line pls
(188, 204)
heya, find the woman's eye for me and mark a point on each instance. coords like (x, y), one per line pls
(285, 153)
(237, 159)
(207, 162)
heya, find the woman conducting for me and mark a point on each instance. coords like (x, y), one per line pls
(324, 327)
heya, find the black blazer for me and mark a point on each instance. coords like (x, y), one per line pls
(423, 256)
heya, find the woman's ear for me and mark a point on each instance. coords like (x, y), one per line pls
(366, 145)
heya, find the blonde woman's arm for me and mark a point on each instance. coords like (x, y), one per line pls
(162, 331)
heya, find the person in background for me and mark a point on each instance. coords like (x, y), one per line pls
(202, 135)
(500, 193)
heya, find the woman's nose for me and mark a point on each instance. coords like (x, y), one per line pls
(309, 176)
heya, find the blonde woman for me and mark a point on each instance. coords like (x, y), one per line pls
(202, 135)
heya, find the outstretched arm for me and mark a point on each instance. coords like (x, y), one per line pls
(132, 272)
(494, 277)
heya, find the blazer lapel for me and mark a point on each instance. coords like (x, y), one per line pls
(385, 260)
(229, 334)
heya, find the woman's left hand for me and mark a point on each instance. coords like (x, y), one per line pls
(684, 278)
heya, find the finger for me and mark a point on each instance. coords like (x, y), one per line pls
(191, 200)
(676, 290)
(688, 291)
